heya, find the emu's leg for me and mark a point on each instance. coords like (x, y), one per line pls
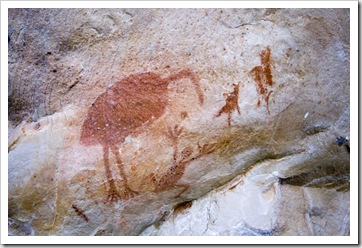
(128, 192)
(112, 194)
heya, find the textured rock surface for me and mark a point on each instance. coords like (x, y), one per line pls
(231, 132)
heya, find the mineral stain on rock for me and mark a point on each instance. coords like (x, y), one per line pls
(263, 77)
(138, 100)
(181, 207)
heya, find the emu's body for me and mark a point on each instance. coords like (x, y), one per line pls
(135, 101)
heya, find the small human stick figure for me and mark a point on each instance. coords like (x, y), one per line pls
(134, 102)
(171, 177)
(263, 77)
(231, 103)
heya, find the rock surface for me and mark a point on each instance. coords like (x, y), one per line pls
(178, 122)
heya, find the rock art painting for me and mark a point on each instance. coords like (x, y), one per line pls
(231, 103)
(134, 102)
(80, 213)
(170, 179)
(263, 77)
(178, 122)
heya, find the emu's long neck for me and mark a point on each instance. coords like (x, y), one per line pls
(187, 73)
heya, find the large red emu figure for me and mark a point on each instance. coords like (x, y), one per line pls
(136, 101)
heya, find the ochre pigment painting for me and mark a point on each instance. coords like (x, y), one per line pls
(135, 101)
(178, 122)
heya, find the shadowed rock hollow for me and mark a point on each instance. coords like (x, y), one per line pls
(179, 122)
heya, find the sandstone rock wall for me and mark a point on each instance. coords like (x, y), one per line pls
(178, 122)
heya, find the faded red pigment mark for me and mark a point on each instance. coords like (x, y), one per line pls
(263, 77)
(80, 213)
(134, 102)
(184, 115)
(231, 103)
(170, 179)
